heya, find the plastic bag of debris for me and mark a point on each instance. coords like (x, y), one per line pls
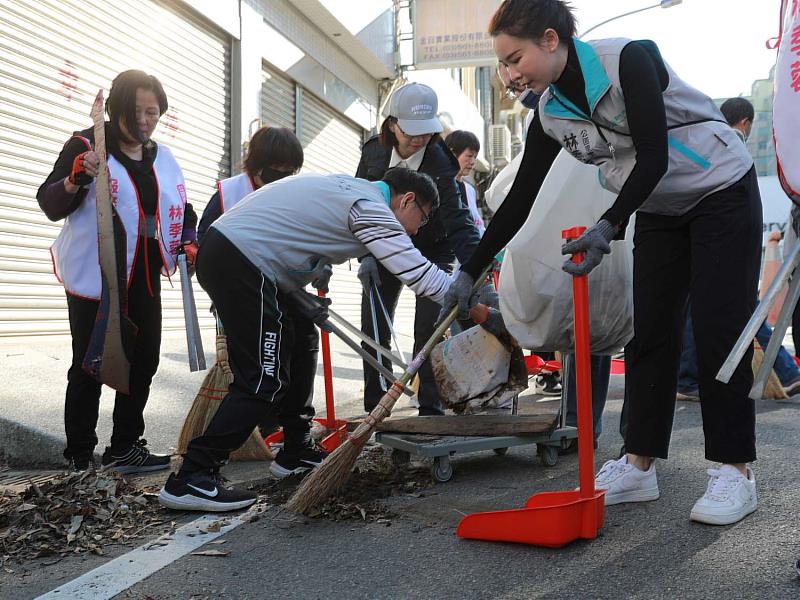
(475, 370)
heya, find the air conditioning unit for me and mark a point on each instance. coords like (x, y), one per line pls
(499, 145)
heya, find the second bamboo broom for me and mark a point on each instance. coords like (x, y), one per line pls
(332, 475)
(213, 389)
(773, 390)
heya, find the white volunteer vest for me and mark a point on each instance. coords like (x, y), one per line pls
(74, 253)
(233, 189)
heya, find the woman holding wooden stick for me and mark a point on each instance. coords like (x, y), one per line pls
(149, 196)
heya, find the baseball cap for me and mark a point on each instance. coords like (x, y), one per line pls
(415, 105)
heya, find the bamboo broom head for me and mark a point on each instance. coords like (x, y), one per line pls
(205, 405)
(773, 390)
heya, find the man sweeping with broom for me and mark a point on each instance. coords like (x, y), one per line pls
(254, 263)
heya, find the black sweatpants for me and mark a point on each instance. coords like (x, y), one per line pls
(425, 316)
(272, 351)
(714, 250)
(82, 403)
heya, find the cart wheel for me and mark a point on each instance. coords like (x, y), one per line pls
(500, 451)
(400, 457)
(548, 455)
(442, 470)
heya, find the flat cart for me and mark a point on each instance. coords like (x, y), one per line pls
(549, 433)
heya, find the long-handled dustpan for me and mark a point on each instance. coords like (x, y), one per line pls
(554, 519)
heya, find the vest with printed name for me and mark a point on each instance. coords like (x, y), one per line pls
(705, 155)
(233, 189)
(74, 253)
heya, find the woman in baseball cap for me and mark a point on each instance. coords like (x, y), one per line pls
(409, 138)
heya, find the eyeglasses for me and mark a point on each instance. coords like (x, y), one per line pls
(425, 216)
(421, 136)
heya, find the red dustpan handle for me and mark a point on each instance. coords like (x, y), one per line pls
(325, 344)
(583, 377)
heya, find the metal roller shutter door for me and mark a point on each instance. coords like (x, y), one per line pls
(277, 98)
(51, 67)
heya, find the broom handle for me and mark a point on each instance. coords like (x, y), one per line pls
(359, 436)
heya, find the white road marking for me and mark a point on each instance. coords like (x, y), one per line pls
(119, 574)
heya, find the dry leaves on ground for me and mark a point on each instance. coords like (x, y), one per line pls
(75, 513)
(373, 479)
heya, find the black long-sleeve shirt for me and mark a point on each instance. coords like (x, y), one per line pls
(642, 83)
(57, 203)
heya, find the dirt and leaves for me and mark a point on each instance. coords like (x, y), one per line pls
(76, 513)
(373, 479)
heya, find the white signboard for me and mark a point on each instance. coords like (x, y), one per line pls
(452, 33)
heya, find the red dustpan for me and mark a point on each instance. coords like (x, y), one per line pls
(554, 519)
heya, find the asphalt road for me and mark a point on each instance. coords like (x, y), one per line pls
(648, 550)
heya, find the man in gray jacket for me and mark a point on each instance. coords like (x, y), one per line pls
(254, 263)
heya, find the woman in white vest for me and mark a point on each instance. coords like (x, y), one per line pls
(149, 195)
(668, 153)
(272, 154)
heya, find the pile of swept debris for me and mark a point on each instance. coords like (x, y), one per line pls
(76, 513)
(87, 512)
(373, 479)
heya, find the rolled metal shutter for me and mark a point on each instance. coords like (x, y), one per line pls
(278, 101)
(54, 56)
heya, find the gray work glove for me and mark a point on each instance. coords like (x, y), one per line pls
(494, 323)
(368, 273)
(311, 307)
(459, 293)
(487, 295)
(594, 243)
(321, 282)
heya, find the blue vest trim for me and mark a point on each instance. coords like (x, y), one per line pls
(596, 84)
(387, 193)
(689, 153)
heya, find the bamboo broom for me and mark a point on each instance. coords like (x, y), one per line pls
(333, 473)
(773, 390)
(207, 401)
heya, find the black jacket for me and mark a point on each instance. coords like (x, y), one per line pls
(450, 231)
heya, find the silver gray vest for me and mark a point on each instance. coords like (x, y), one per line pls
(705, 155)
(292, 228)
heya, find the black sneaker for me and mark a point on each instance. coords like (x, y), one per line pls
(295, 463)
(204, 491)
(572, 447)
(136, 459)
(547, 384)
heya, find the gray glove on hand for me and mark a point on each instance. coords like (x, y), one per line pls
(312, 307)
(494, 323)
(321, 282)
(368, 272)
(459, 293)
(594, 243)
(487, 295)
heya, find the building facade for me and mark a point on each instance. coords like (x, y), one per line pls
(228, 66)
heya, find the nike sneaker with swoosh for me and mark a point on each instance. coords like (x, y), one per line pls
(204, 491)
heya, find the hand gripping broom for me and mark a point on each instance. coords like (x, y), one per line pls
(213, 389)
(332, 475)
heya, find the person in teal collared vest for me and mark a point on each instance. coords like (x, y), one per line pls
(668, 153)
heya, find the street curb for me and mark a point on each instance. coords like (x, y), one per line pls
(25, 447)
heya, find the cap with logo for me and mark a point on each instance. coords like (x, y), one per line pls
(415, 105)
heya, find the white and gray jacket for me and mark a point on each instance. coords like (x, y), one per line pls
(291, 229)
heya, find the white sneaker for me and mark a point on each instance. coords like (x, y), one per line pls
(729, 498)
(626, 483)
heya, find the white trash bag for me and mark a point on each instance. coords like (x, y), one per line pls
(536, 295)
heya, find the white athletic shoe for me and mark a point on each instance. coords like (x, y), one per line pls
(626, 483)
(729, 497)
